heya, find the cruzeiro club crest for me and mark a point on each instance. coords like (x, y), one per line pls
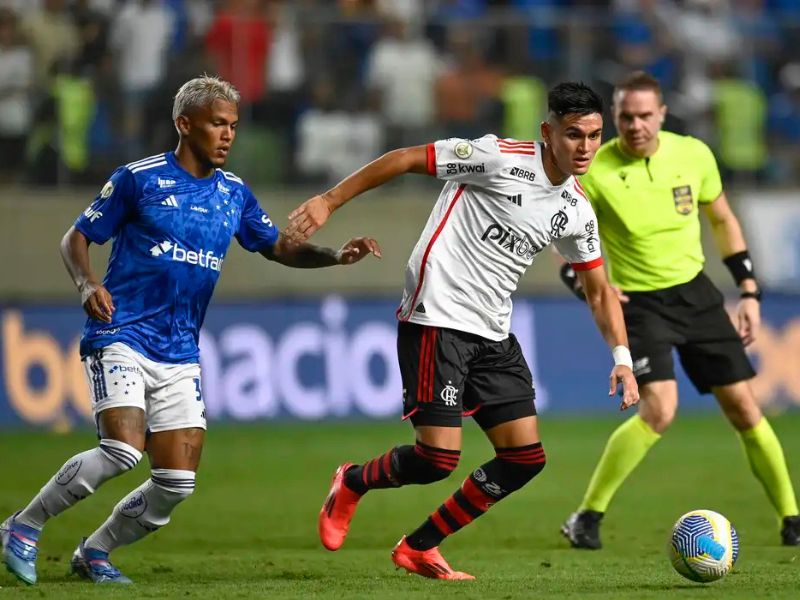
(682, 195)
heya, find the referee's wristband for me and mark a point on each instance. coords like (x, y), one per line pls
(622, 356)
(740, 265)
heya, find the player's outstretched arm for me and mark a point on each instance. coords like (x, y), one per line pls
(312, 214)
(95, 299)
(607, 313)
(309, 256)
(733, 248)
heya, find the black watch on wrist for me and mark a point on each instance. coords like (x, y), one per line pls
(755, 295)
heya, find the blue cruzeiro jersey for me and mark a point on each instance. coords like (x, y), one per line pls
(171, 232)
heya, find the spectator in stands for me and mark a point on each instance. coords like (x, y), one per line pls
(238, 44)
(402, 70)
(141, 35)
(16, 78)
(53, 37)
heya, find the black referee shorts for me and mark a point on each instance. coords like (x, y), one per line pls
(691, 318)
(449, 374)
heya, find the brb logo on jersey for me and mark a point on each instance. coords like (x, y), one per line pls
(511, 241)
(205, 259)
(521, 173)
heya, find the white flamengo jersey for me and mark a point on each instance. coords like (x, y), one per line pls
(495, 214)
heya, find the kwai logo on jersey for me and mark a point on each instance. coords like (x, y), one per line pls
(457, 169)
(509, 240)
(591, 239)
(162, 183)
(203, 258)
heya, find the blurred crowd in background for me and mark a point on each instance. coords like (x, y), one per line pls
(327, 85)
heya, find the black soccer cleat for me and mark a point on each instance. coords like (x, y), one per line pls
(582, 529)
(790, 533)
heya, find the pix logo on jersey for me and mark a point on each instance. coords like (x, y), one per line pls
(203, 258)
(511, 241)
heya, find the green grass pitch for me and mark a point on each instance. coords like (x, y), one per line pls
(250, 528)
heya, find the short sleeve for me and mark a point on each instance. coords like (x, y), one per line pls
(256, 229)
(474, 162)
(711, 183)
(112, 207)
(580, 244)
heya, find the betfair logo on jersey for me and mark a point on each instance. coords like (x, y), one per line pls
(682, 195)
(203, 259)
(522, 173)
(509, 240)
(457, 169)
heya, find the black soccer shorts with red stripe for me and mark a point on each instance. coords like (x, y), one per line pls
(448, 374)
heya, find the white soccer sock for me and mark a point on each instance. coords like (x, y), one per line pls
(144, 510)
(80, 476)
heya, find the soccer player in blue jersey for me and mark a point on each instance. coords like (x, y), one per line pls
(172, 217)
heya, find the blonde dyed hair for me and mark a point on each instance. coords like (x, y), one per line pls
(202, 91)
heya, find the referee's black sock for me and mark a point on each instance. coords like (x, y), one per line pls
(402, 465)
(511, 469)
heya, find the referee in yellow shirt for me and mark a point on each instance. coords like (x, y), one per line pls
(648, 188)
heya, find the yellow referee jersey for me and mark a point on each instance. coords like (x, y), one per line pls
(647, 210)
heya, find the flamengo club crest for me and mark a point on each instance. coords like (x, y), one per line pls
(449, 394)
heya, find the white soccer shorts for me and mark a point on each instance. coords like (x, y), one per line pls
(169, 394)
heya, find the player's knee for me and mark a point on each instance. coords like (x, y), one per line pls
(427, 464)
(659, 418)
(519, 465)
(172, 486)
(122, 456)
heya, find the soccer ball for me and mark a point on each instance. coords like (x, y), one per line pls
(703, 546)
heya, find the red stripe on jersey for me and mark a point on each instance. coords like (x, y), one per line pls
(409, 415)
(508, 142)
(431, 163)
(423, 350)
(432, 365)
(580, 190)
(509, 147)
(435, 235)
(588, 266)
(476, 496)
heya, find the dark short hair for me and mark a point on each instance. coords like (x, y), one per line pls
(639, 81)
(573, 98)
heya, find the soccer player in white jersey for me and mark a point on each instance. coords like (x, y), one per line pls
(172, 217)
(503, 203)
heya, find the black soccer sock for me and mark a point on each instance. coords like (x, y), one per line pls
(402, 465)
(511, 469)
